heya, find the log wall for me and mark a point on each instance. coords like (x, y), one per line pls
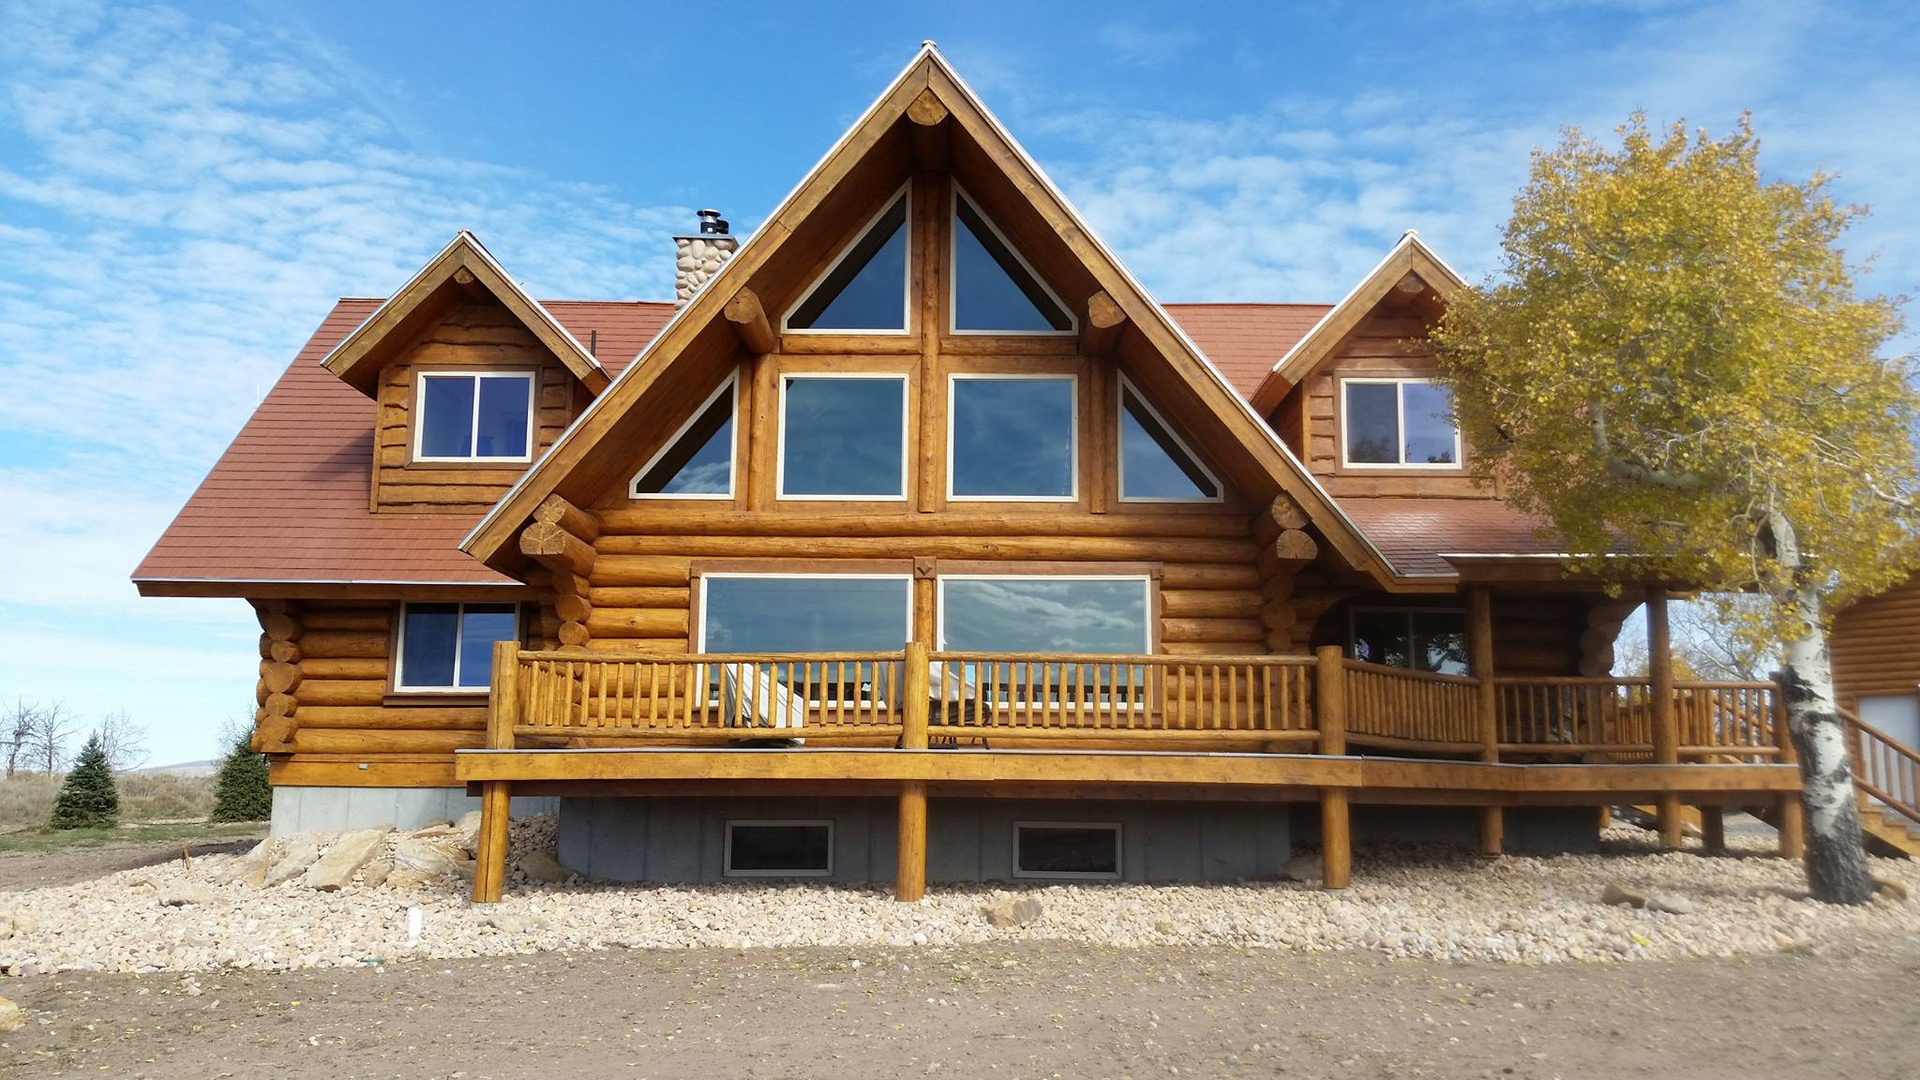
(474, 335)
(1876, 645)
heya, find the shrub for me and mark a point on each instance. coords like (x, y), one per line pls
(87, 799)
(240, 792)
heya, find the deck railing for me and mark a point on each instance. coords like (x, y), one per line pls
(1885, 770)
(1391, 708)
(1713, 721)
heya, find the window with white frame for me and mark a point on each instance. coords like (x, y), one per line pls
(994, 291)
(473, 416)
(449, 647)
(1156, 465)
(1011, 437)
(866, 289)
(1066, 849)
(809, 613)
(1090, 614)
(1424, 639)
(843, 435)
(779, 849)
(1399, 423)
(698, 461)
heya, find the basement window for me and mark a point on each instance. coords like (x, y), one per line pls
(779, 849)
(1424, 639)
(843, 436)
(473, 416)
(1011, 438)
(994, 290)
(1156, 465)
(1399, 423)
(1066, 849)
(449, 647)
(697, 462)
(866, 289)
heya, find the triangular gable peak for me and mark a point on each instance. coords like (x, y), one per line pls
(1410, 276)
(463, 270)
(929, 132)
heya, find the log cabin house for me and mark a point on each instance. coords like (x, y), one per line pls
(915, 540)
(1876, 677)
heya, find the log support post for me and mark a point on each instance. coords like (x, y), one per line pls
(1790, 814)
(1336, 833)
(1713, 827)
(1666, 736)
(910, 870)
(1486, 705)
(496, 796)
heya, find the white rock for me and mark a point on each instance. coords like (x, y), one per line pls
(291, 857)
(344, 858)
(428, 856)
(468, 829)
(183, 893)
(11, 1018)
(542, 867)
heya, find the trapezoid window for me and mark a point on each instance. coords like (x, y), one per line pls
(994, 290)
(843, 436)
(697, 463)
(1155, 464)
(1011, 437)
(865, 290)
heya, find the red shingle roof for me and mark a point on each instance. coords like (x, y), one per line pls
(287, 502)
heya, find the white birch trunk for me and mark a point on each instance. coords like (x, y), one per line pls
(1836, 858)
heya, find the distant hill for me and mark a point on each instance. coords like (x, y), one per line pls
(205, 767)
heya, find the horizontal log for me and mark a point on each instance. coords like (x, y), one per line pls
(653, 646)
(283, 652)
(1281, 515)
(1250, 647)
(650, 570)
(555, 547)
(280, 705)
(261, 691)
(342, 692)
(275, 735)
(555, 510)
(423, 717)
(371, 741)
(638, 622)
(442, 495)
(642, 596)
(570, 607)
(573, 635)
(1208, 576)
(1208, 603)
(280, 678)
(344, 668)
(280, 626)
(339, 644)
(1210, 630)
(1051, 548)
(361, 618)
(701, 521)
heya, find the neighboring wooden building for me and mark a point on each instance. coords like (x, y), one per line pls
(1876, 675)
(923, 432)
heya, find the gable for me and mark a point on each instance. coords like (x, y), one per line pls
(927, 127)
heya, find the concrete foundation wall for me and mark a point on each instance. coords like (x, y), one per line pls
(1529, 830)
(683, 840)
(336, 809)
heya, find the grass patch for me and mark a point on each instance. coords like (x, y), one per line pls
(45, 839)
(26, 799)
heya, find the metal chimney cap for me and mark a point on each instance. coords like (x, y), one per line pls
(711, 223)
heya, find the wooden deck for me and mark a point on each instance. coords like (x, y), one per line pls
(915, 723)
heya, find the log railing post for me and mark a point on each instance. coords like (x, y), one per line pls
(1486, 705)
(910, 869)
(1330, 707)
(1791, 816)
(1666, 736)
(496, 796)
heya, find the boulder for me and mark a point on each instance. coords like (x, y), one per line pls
(184, 893)
(1307, 868)
(376, 872)
(1617, 894)
(468, 830)
(251, 868)
(343, 859)
(429, 856)
(542, 867)
(11, 1018)
(1013, 912)
(291, 857)
(1889, 889)
(1670, 903)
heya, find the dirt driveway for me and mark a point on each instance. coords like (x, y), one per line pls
(1027, 1011)
(38, 869)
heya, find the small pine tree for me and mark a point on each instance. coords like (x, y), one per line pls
(88, 799)
(240, 792)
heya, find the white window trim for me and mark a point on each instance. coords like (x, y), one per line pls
(532, 379)
(1400, 418)
(1146, 588)
(726, 863)
(953, 275)
(1073, 431)
(700, 638)
(1120, 451)
(1119, 850)
(906, 284)
(1353, 614)
(906, 436)
(460, 617)
(731, 388)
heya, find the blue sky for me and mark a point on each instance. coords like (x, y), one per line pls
(185, 188)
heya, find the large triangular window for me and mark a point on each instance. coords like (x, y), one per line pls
(865, 290)
(697, 463)
(1155, 464)
(994, 290)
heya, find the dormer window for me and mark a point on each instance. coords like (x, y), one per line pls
(473, 416)
(1399, 423)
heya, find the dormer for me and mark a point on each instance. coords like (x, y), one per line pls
(471, 381)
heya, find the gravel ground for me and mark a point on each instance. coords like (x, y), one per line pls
(1028, 1009)
(1426, 903)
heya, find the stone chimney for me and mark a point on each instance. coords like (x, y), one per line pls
(697, 258)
